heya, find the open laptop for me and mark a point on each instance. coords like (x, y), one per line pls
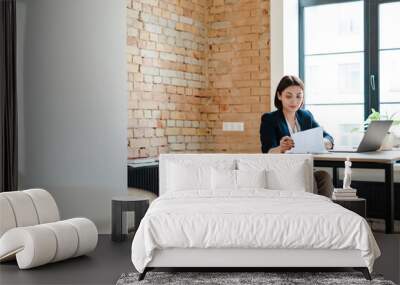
(372, 140)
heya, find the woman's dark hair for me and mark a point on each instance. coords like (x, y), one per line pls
(286, 81)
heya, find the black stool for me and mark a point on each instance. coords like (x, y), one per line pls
(357, 205)
(122, 204)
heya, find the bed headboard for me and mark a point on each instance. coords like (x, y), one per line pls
(214, 159)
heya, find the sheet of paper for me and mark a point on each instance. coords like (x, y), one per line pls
(309, 141)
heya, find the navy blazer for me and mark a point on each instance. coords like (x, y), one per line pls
(274, 127)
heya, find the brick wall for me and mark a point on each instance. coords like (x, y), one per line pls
(191, 65)
(238, 71)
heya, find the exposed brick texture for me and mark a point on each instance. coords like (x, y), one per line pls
(191, 65)
(238, 71)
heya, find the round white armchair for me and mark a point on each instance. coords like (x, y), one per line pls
(31, 230)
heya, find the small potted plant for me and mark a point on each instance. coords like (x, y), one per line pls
(390, 139)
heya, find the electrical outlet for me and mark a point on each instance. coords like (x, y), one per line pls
(233, 126)
(226, 126)
(239, 126)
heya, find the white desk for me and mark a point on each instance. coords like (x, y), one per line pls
(372, 160)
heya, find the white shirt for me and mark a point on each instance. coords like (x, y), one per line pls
(296, 127)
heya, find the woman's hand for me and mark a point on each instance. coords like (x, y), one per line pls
(328, 144)
(286, 143)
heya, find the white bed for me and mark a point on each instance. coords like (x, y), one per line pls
(193, 224)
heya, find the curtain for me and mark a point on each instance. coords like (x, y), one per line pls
(8, 98)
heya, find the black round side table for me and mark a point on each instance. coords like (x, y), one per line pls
(122, 204)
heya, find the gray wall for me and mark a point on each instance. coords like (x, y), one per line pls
(73, 103)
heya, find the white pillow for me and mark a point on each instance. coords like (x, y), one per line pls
(228, 179)
(284, 172)
(223, 179)
(183, 177)
(251, 178)
(292, 180)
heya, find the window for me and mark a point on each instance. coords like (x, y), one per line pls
(349, 61)
(389, 57)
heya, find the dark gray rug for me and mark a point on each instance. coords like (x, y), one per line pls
(242, 278)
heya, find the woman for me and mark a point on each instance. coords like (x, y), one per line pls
(277, 127)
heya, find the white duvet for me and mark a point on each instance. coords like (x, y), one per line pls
(253, 218)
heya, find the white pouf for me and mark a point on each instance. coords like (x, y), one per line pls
(31, 232)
